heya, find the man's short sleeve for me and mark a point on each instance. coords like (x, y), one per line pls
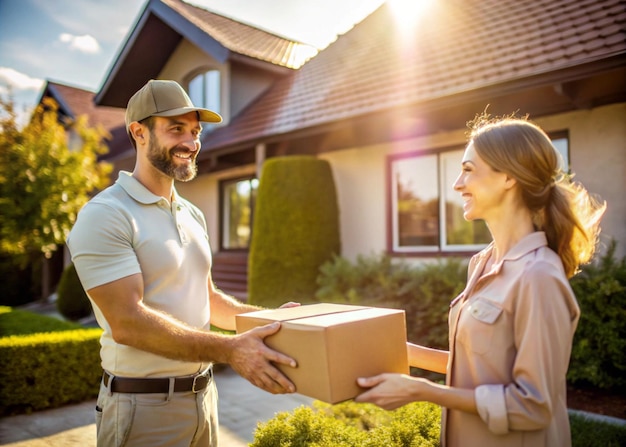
(101, 245)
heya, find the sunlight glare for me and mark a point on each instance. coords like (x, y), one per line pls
(407, 12)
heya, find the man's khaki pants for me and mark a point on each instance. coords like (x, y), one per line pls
(157, 420)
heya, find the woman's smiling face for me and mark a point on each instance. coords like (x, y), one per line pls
(481, 187)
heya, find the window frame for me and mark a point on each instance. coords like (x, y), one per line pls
(223, 184)
(442, 249)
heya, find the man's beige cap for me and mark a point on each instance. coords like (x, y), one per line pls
(164, 98)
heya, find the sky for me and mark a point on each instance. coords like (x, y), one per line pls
(75, 42)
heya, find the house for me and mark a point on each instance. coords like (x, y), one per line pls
(387, 107)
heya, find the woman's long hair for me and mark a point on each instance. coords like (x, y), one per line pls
(563, 209)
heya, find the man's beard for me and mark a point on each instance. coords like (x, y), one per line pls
(163, 160)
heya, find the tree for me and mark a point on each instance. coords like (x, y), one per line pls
(45, 178)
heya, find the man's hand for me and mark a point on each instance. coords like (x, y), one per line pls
(254, 361)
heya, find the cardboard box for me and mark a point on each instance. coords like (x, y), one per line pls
(334, 344)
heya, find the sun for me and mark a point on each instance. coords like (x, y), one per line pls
(407, 12)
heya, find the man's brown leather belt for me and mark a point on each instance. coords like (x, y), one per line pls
(158, 385)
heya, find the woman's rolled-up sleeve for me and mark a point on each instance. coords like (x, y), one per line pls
(491, 406)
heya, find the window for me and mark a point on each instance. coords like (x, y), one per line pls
(561, 143)
(205, 90)
(237, 211)
(426, 212)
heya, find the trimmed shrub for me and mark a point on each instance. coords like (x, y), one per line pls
(296, 230)
(48, 370)
(72, 301)
(350, 424)
(20, 322)
(599, 350)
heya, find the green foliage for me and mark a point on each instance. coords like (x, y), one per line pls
(434, 286)
(349, 424)
(44, 179)
(46, 370)
(423, 291)
(72, 301)
(296, 230)
(587, 432)
(373, 280)
(21, 322)
(414, 425)
(599, 350)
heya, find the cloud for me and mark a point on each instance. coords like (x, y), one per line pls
(19, 81)
(84, 44)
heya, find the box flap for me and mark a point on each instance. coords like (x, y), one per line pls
(295, 313)
(338, 318)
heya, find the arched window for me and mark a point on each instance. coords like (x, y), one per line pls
(205, 90)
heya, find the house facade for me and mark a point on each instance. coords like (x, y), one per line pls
(387, 107)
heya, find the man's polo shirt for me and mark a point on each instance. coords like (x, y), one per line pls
(125, 230)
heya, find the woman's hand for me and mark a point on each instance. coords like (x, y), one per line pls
(391, 391)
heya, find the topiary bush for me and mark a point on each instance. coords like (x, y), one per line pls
(599, 349)
(72, 301)
(296, 230)
(350, 424)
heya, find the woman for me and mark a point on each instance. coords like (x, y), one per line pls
(511, 329)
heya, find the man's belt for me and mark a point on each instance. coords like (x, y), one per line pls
(195, 383)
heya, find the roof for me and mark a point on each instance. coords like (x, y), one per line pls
(74, 102)
(245, 39)
(167, 22)
(459, 49)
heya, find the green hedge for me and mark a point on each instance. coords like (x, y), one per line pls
(599, 351)
(48, 369)
(349, 424)
(296, 230)
(20, 322)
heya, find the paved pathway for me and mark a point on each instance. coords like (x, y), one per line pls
(241, 407)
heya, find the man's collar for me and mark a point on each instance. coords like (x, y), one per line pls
(137, 191)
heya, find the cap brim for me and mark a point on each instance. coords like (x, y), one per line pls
(204, 115)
